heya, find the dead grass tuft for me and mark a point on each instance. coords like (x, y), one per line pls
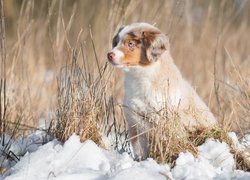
(81, 100)
(168, 138)
(242, 160)
(199, 136)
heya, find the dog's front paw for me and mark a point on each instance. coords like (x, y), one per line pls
(138, 155)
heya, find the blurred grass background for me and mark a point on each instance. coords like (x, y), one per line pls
(210, 43)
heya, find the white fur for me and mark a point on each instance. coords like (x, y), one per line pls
(117, 58)
(130, 27)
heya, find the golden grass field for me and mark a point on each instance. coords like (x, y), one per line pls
(54, 69)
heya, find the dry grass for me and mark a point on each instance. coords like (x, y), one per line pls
(166, 143)
(53, 66)
(81, 101)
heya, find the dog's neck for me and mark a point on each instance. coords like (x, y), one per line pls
(152, 82)
(152, 75)
(140, 72)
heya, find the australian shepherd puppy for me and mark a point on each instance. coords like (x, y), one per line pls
(152, 81)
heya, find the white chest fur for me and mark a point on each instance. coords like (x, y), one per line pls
(148, 89)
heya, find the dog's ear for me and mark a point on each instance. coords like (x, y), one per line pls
(155, 43)
(116, 38)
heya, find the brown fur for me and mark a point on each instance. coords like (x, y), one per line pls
(156, 43)
(136, 55)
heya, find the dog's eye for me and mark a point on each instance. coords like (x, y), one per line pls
(131, 44)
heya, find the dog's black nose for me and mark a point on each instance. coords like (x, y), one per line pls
(111, 56)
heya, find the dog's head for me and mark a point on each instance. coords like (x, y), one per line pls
(138, 44)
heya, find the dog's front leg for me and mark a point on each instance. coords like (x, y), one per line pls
(139, 142)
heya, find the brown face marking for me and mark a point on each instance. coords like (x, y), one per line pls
(141, 46)
(134, 51)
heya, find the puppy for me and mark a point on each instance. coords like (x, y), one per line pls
(153, 81)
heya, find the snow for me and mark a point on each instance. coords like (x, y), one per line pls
(76, 160)
(214, 159)
(217, 154)
(246, 141)
(19, 147)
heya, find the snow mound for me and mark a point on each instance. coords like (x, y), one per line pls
(15, 148)
(76, 160)
(214, 159)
